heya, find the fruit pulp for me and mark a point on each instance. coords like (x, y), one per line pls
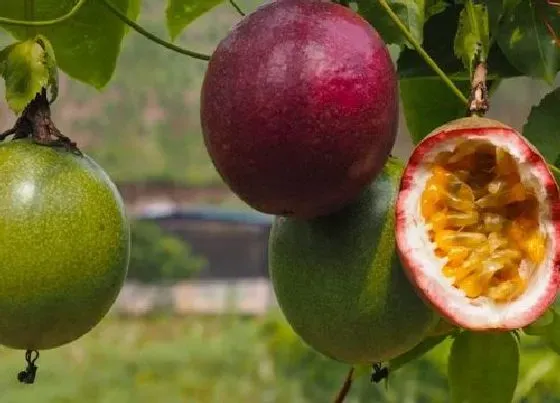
(483, 220)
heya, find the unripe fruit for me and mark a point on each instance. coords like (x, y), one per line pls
(339, 282)
(299, 107)
(64, 245)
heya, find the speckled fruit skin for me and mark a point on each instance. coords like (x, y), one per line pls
(339, 283)
(64, 245)
(299, 107)
(520, 313)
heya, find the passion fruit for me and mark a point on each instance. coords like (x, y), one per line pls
(339, 283)
(299, 107)
(478, 221)
(64, 245)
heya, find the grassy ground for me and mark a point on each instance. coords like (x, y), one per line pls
(209, 360)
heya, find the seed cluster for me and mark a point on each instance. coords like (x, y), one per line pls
(484, 220)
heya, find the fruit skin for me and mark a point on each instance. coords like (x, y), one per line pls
(299, 107)
(339, 282)
(483, 367)
(520, 313)
(64, 243)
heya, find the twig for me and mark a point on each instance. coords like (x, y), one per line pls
(345, 388)
(478, 101)
(152, 37)
(237, 8)
(404, 30)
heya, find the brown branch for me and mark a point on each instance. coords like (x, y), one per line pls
(478, 101)
(345, 388)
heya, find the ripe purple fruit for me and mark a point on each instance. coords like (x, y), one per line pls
(299, 107)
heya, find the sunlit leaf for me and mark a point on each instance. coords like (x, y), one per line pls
(180, 13)
(483, 367)
(473, 36)
(86, 46)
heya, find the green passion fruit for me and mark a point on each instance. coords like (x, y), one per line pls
(64, 245)
(339, 282)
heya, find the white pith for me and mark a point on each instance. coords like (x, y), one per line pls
(481, 311)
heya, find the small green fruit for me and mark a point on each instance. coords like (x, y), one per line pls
(339, 282)
(64, 245)
(483, 367)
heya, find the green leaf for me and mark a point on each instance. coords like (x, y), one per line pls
(527, 43)
(416, 352)
(180, 13)
(498, 9)
(542, 128)
(27, 67)
(552, 334)
(428, 104)
(410, 12)
(439, 34)
(483, 367)
(472, 34)
(86, 46)
(539, 327)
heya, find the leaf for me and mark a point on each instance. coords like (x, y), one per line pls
(542, 128)
(538, 327)
(86, 46)
(410, 12)
(428, 104)
(472, 34)
(180, 13)
(527, 43)
(483, 367)
(27, 67)
(498, 9)
(416, 352)
(439, 34)
(552, 334)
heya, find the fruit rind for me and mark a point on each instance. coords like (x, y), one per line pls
(413, 243)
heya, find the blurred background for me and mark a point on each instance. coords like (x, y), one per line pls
(197, 320)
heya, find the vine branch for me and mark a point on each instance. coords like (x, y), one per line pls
(58, 20)
(345, 388)
(154, 38)
(404, 30)
(237, 8)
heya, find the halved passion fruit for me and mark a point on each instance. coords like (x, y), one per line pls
(478, 224)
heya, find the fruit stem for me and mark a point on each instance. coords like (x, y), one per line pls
(237, 8)
(58, 20)
(478, 101)
(30, 372)
(404, 30)
(35, 122)
(150, 36)
(345, 388)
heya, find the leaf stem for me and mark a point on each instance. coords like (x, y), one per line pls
(152, 37)
(58, 20)
(404, 30)
(237, 8)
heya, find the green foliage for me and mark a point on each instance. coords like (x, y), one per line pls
(159, 256)
(472, 37)
(483, 367)
(411, 13)
(543, 127)
(181, 13)
(27, 67)
(428, 103)
(86, 46)
(527, 42)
